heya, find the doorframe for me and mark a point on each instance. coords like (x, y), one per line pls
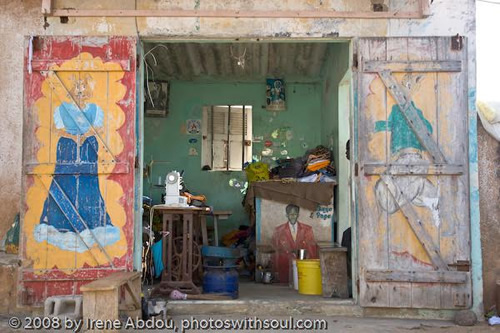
(140, 132)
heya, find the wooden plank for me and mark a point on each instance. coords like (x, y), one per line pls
(101, 305)
(371, 66)
(400, 237)
(46, 7)
(412, 169)
(77, 168)
(417, 226)
(424, 96)
(453, 191)
(234, 13)
(132, 294)
(111, 281)
(425, 8)
(203, 227)
(373, 228)
(89, 65)
(417, 276)
(410, 113)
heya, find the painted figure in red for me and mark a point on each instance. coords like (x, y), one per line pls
(287, 239)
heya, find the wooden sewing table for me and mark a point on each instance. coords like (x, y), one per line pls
(188, 215)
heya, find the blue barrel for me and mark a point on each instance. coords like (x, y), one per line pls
(221, 280)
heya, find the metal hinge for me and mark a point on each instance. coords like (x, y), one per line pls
(461, 265)
(356, 169)
(355, 61)
(457, 43)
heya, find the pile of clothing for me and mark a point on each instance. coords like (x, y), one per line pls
(317, 165)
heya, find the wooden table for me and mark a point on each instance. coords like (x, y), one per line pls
(219, 215)
(188, 215)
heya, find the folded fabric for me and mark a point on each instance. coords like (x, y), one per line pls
(317, 164)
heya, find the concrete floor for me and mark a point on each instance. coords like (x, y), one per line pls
(279, 292)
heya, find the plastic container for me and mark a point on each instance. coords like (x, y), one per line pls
(309, 272)
(221, 280)
(295, 274)
(220, 252)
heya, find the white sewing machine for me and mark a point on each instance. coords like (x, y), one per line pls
(172, 190)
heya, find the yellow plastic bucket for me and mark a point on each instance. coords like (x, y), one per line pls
(309, 277)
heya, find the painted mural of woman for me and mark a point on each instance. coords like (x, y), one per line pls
(75, 182)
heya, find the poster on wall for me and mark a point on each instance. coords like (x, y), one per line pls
(156, 99)
(275, 95)
(283, 229)
(193, 126)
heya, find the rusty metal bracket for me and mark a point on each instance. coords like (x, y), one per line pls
(457, 43)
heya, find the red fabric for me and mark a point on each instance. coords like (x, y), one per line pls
(286, 248)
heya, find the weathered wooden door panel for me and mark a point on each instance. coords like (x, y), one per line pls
(413, 188)
(79, 150)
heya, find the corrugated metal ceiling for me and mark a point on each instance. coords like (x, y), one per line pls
(219, 61)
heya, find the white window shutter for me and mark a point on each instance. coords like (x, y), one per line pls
(220, 132)
(224, 135)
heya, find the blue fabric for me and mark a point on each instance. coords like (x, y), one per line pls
(157, 249)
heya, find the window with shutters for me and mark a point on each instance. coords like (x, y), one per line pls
(227, 137)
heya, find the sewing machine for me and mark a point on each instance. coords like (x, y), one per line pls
(173, 197)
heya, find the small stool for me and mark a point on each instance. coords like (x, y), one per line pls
(101, 298)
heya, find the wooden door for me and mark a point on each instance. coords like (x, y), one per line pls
(79, 151)
(414, 237)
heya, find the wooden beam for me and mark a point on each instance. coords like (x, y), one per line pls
(425, 8)
(416, 277)
(416, 225)
(46, 7)
(412, 169)
(77, 168)
(412, 66)
(81, 65)
(234, 13)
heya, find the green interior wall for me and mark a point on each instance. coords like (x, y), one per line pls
(335, 125)
(166, 142)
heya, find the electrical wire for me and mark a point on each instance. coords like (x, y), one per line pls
(148, 67)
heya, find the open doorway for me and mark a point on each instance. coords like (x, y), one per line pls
(214, 108)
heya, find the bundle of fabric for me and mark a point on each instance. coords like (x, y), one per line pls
(320, 158)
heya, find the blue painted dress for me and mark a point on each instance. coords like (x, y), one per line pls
(74, 192)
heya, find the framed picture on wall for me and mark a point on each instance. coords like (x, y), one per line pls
(275, 95)
(156, 98)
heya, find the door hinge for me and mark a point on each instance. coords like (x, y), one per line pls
(457, 43)
(356, 169)
(461, 265)
(355, 61)
(136, 162)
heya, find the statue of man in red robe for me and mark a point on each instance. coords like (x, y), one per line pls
(287, 239)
